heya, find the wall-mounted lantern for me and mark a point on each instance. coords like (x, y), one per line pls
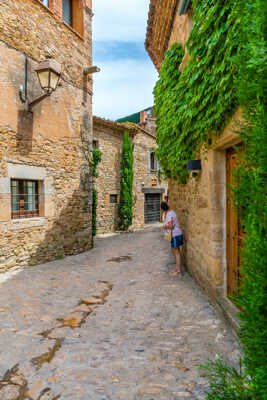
(48, 72)
(194, 165)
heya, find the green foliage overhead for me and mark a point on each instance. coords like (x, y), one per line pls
(96, 159)
(126, 191)
(193, 105)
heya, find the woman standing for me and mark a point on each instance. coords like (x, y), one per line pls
(171, 223)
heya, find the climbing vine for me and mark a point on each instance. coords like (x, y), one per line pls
(192, 106)
(251, 189)
(96, 159)
(226, 69)
(126, 191)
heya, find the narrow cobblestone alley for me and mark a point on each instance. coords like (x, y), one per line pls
(109, 324)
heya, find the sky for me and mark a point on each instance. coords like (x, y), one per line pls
(125, 83)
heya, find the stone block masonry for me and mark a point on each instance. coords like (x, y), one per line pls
(109, 137)
(51, 145)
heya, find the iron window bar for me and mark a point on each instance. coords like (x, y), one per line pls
(25, 199)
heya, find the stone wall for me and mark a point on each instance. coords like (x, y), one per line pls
(143, 176)
(50, 145)
(109, 140)
(201, 208)
(109, 136)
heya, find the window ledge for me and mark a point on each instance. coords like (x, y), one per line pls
(73, 30)
(60, 20)
(25, 223)
(46, 8)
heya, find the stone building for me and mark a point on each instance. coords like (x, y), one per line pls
(209, 223)
(45, 201)
(148, 187)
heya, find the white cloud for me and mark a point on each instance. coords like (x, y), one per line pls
(123, 20)
(126, 81)
(123, 88)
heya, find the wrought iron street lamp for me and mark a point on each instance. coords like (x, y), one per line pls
(48, 72)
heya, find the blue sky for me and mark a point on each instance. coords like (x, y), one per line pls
(127, 76)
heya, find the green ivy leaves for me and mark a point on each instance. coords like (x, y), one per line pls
(191, 106)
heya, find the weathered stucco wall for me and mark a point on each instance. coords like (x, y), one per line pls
(52, 144)
(110, 137)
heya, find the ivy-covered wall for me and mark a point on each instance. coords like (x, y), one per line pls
(195, 105)
(226, 70)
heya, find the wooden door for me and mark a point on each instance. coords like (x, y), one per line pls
(234, 231)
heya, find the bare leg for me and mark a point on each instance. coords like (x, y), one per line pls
(178, 260)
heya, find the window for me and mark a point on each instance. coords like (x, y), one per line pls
(45, 2)
(153, 164)
(152, 160)
(67, 11)
(72, 14)
(24, 198)
(113, 199)
(95, 144)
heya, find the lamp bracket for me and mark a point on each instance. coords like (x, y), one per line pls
(91, 70)
(38, 100)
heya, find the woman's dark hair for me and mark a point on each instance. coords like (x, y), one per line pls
(164, 206)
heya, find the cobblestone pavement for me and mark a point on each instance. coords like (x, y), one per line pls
(109, 324)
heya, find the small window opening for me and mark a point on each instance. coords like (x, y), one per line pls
(95, 144)
(113, 198)
(24, 198)
(67, 11)
(152, 160)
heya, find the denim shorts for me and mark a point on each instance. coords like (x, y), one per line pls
(177, 241)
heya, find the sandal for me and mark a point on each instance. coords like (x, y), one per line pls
(175, 273)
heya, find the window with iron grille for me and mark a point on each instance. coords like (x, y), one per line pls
(114, 198)
(24, 198)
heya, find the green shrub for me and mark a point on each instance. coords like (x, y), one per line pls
(226, 382)
(96, 159)
(126, 189)
(251, 190)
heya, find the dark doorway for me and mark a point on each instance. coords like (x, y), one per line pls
(152, 208)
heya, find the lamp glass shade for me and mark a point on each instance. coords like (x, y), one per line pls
(48, 73)
(43, 76)
(54, 78)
